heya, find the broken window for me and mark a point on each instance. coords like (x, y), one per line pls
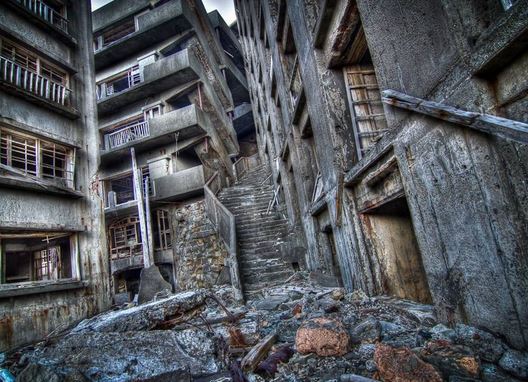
(368, 117)
(38, 257)
(124, 238)
(163, 239)
(27, 155)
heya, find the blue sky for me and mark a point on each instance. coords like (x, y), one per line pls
(225, 7)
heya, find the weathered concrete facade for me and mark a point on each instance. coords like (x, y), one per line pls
(389, 200)
(168, 86)
(52, 268)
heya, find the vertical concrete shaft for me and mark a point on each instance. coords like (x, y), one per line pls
(138, 194)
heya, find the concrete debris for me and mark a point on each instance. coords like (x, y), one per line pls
(295, 332)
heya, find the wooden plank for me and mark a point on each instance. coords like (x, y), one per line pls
(489, 124)
(258, 352)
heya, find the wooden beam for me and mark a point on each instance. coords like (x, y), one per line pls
(258, 352)
(489, 124)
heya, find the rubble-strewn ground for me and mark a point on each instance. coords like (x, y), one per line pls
(298, 332)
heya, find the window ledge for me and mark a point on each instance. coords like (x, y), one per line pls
(24, 289)
(32, 185)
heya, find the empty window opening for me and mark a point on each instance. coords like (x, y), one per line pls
(120, 190)
(115, 34)
(391, 232)
(38, 257)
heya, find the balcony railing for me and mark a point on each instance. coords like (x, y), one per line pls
(34, 83)
(127, 134)
(46, 13)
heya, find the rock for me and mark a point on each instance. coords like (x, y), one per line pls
(354, 378)
(402, 365)
(151, 283)
(368, 330)
(328, 305)
(486, 345)
(451, 360)
(148, 355)
(492, 373)
(338, 294)
(145, 316)
(442, 332)
(322, 336)
(38, 373)
(271, 303)
(515, 363)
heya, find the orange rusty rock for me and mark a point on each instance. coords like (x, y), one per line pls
(323, 336)
(402, 365)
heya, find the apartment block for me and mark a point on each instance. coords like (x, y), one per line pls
(52, 243)
(173, 105)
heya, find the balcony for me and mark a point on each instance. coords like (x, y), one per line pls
(188, 122)
(171, 187)
(46, 13)
(152, 79)
(128, 134)
(44, 16)
(162, 22)
(36, 87)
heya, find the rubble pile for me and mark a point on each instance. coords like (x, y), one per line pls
(296, 332)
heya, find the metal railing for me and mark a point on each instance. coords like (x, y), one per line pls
(46, 13)
(34, 83)
(242, 165)
(224, 222)
(127, 134)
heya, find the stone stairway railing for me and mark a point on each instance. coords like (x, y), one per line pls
(225, 225)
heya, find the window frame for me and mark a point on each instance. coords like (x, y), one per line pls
(73, 238)
(67, 181)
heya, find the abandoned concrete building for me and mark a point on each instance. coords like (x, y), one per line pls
(398, 143)
(173, 105)
(341, 161)
(52, 243)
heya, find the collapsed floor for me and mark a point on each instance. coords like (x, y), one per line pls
(296, 332)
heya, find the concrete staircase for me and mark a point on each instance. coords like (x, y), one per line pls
(259, 234)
